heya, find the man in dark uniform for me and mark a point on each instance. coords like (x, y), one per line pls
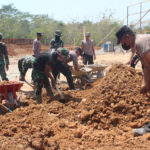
(24, 64)
(56, 42)
(40, 74)
(3, 63)
(60, 66)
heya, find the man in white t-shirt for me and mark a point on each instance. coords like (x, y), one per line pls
(139, 44)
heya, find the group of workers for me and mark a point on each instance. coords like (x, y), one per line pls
(56, 59)
(51, 63)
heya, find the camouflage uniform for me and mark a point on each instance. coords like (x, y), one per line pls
(24, 64)
(3, 63)
(39, 77)
(56, 42)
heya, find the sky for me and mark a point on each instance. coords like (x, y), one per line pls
(78, 10)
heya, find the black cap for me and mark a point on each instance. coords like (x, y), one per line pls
(39, 33)
(79, 49)
(122, 31)
(125, 47)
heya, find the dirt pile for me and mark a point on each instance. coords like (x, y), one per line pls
(14, 49)
(116, 100)
(99, 117)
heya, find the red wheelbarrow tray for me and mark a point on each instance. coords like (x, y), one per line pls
(13, 87)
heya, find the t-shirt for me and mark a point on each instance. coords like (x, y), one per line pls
(87, 47)
(42, 60)
(74, 58)
(36, 47)
(142, 44)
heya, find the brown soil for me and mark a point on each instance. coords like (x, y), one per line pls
(14, 49)
(99, 117)
(25, 49)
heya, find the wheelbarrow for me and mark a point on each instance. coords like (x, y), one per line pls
(97, 70)
(82, 76)
(8, 91)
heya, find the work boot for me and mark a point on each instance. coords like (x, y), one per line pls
(39, 99)
(141, 131)
(49, 91)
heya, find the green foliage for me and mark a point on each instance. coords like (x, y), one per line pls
(16, 24)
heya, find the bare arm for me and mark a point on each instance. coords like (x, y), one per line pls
(93, 51)
(131, 56)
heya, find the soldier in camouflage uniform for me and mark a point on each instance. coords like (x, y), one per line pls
(56, 42)
(24, 64)
(40, 74)
(3, 63)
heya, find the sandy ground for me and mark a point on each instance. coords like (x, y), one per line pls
(104, 58)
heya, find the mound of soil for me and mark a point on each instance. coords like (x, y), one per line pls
(99, 117)
(14, 49)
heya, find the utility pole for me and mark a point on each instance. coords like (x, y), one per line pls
(127, 14)
(141, 17)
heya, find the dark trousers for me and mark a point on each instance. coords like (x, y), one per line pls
(87, 59)
(62, 67)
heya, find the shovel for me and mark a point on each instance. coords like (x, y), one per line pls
(30, 84)
(5, 108)
(60, 93)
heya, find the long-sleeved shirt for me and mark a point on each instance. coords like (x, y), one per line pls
(36, 47)
(3, 54)
(74, 58)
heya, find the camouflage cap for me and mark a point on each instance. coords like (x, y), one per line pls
(1, 36)
(58, 33)
(64, 52)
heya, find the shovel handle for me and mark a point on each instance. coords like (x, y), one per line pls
(59, 91)
(6, 108)
(30, 84)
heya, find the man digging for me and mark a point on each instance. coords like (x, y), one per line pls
(24, 64)
(40, 74)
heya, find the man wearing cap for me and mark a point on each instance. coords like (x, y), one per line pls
(139, 44)
(24, 64)
(56, 42)
(60, 66)
(3, 63)
(37, 44)
(71, 56)
(87, 46)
